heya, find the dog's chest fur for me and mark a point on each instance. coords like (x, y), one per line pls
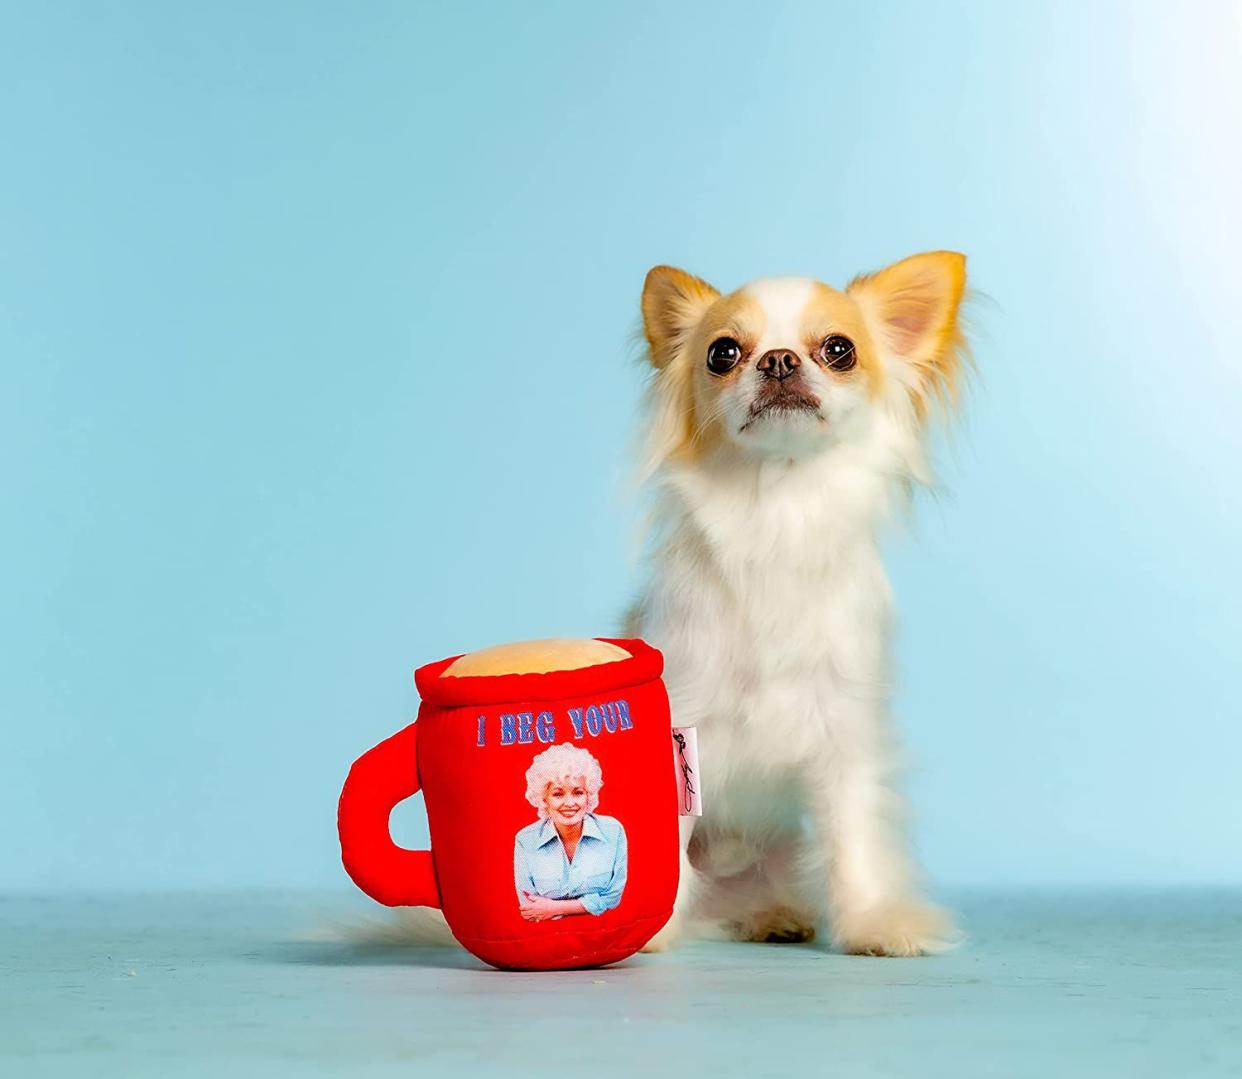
(769, 600)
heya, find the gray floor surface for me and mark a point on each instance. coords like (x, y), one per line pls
(1125, 984)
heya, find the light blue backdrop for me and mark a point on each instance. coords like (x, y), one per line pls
(316, 334)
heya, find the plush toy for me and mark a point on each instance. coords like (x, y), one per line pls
(547, 772)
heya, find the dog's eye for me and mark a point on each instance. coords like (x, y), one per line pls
(838, 352)
(723, 356)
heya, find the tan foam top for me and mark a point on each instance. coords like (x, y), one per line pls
(535, 657)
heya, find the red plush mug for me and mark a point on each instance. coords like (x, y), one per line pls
(551, 801)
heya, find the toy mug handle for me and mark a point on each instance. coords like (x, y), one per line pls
(383, 776)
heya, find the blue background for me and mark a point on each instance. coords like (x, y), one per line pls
(317, 361)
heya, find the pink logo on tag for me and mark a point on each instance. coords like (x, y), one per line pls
(686, 759)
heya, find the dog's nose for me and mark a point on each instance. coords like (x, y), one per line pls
(778, 363)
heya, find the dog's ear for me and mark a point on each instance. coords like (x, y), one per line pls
(673, 303)
(911, 308)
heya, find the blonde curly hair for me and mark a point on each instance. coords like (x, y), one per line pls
(559, 763)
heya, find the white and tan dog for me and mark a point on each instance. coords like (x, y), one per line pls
(787, 420)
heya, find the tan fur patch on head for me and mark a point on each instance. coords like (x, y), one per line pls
(833, 312)
(736, 315)
(680, 428)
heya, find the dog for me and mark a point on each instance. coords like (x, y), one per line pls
(787, 421)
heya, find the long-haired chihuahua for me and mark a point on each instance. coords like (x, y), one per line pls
(787, 419)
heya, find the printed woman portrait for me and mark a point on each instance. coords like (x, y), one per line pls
(572, 860)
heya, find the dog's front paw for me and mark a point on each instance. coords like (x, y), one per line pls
(666, 938)
(778, 925)
(902, 927)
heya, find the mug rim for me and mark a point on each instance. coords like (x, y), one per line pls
(644, 664)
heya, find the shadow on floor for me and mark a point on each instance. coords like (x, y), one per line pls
(347, 954)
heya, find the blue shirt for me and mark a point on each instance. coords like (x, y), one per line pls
(596, 875)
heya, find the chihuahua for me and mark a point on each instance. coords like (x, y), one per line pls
(787, 419)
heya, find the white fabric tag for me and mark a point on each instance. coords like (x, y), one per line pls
(686, 760)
